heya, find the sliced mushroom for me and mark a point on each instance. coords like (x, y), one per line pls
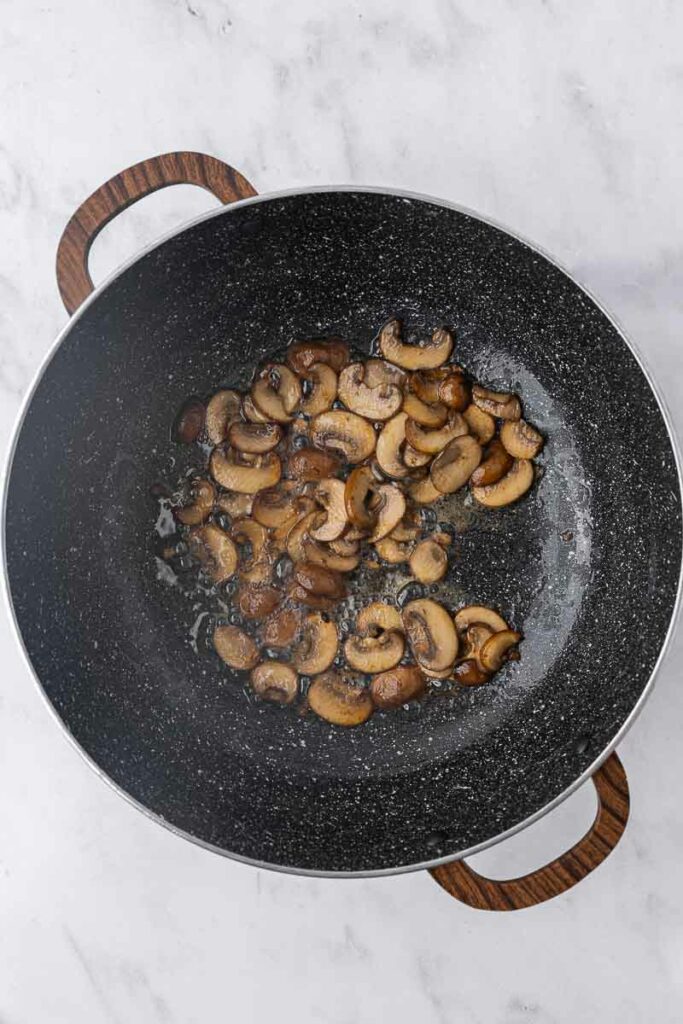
(203, 496)
(299, 533)
(392, 551)
(255, 438)
(256, 601)
(413, 458)
(520, 439)
(494, 466)
(282, 628)
(330, 494)
(189, 422)
(345, 432)
(397, 686)
(277, 392)
(426, 383)
(390, 444)
(325, 555)
(479, 613)
(340, 699)
(344, 546)
(378, 616)
(433, 441)
(509, 488)
(241, 476)
(431, 633)
(424, 492)
(334, 352)
(251, 413)
(454, 392)
(235, 648)
(258, 567)
(432, 416)
(414, 357)
(494, 651)
(215, 551)
(317, 648)
(406, 530)
(373, 403)
(317, 579)
(428, 562)
(300, 595)
(389, 506)
(453, 467)
(378, 371)
(476, 636)
(275, 681)
(235, 505)
(374, 653)
(323, 389)
(500, 404)
(360, 486)
(310, 464)
(272, 506)
(481, 425)
(222, 410)
(470, 673)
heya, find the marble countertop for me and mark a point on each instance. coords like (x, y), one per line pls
(562, 121)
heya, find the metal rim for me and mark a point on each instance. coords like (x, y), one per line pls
(287, 869)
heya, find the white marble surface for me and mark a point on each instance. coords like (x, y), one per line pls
(561, 120)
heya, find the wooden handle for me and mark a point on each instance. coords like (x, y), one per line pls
(121, 191)
(458, 879)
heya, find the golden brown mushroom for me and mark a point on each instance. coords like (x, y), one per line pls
(500, 404)
(373, 403)
(330, 494)
(234, 474)
(414, 357)
(215, 551)
(323, 384)
(428, 561)
(431, 634)
(334, 352)
(478, 613)
(434, 441)
(390, 445)
(340, 699)
(397, 686)
(317, 648)
(453, 467)
(277, 392)
(509, 488)
(203, 496)
(495, 465)
(481, 425)
(372, 654)
(234, 647)
(344, 432)
(494, 651)
(309, 464)
(520, 439)
(275, 681)
(222, 410)
(255, 438)
(378, 616)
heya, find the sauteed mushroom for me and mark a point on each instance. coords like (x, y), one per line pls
(215, 551)
(344, 432)
(374, 403)
(242, 476)
(235, 648)
(275, 681)
(509, 488)
(223, 409)
(310, 464)
(189, 422)
(277, 392)
(374, 653)
(428, 562)
(500, 404)
(481, 424)
(520, 439)
(330, 494)
(340, 699)
(301, 355)
(397, 686)
(414, 357)
(323, 384)
(255, 438)
(495, 465)
(434, 441)
(203, 495)
(317, 648)
(453, 467)
(431, 634)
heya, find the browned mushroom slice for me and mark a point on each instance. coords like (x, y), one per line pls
(428, 562)
(344, 546)
(317, 648)
(397, 686)
(472, 613)
(392, 551)
(406, 530)
(255, 438)
(301, 355)
(234, 647)
(520, 439)
(247, 478)
(494, 651)
(300, 595)
(431, 416)
(275, 681)
(500, 404)
(222, 410)
(215, 551)
(425, 383)
(424, 492)
(378, 616)
(272, 506)
(282, 628)
(256, 601)
(454, 392)
(251, 413)
(189, 422)
(378, 403)
(299, 533)
(358, 490)
(509, 488)
(303, 506)
(390, 445)
(310, 464)
(277, 392)
(235, 505)
(319, 580)
(372, 654)
(340, 699)
(323, 389)
(344, 432)
(414, 357)
(481, 425)
(470, 673)
(258, 567)
(433, 441)
(453, 467)
(378, 371)
(203, 495)
(431, 634)
(325, 555)
(413, 458)
(330, 494)
(389, 506)
(495, 465)
(475, 637)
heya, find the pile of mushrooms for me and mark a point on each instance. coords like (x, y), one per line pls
(322, 456)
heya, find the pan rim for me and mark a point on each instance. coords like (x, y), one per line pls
(9, 460)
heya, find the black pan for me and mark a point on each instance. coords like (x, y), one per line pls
(587, 566)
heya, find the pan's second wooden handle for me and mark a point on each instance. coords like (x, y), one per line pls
(462, 882)
(121, 191)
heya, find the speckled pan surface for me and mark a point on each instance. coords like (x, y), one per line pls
(587, 566)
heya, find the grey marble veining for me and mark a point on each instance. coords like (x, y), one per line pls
(562, 121)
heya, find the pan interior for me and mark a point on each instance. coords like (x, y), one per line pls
(587, 566)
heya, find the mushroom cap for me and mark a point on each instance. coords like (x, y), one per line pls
(345, 432)
(509, 488)
(203, 495)
(360, 484)
(428, 561)
(433, 441)
(244, 477)
(323, 392)
(374, 653)
(389, 507)
(374, 403)
(309, 464)
(501, 404)
(453, 467)
(255, 438)
(340, 699)
(472, 613)
(317, 647)
(481, 424)
(215, 550)
(390, 444)
(275, 681)
(301, 355)
(414, 357)
(520, 439)
(378, 616)
(431, 634)
(234, 647)
(495, 465)
(494, 650)
(397, 686)
(330, 494)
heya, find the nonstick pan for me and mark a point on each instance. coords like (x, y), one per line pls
(587, 565)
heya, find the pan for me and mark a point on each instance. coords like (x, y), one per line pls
(588, 565)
